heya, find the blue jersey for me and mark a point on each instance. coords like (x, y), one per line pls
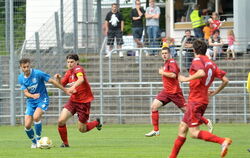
(35, 83)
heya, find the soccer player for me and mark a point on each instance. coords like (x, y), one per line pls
(33, 86)
(79, 101)
(171, 92)
(202, 73)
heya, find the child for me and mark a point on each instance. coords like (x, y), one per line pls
(169, 42)
(231, 40)
(215, 22)
(216, 42)
(207, 32)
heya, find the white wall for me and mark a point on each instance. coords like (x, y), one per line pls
(37, 13)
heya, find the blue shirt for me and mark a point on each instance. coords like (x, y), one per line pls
(35, 83)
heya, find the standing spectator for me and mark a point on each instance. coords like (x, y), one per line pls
(215, 22)
(169, 42)
(188, 45)
(79, 102)
(114, 25)
(197, 21)
(216, 42)
(231, 40)
(137, 15)
(152, 22)
(201, 75)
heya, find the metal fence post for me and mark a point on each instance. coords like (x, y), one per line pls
(75, 26)
(99, 23)
(110, 68)
(59, 101)
(87, 26)
(38, 53)
(58, 40)
(7, 26)
(120, 104)
(62, 22)
(245, 103)
(140, 65)
(12, 69)
(214, 106)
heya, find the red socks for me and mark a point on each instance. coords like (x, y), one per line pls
(205, 135)
(63, 133)
(204, 120)
(177, 146)
(155, 120)
(91, 125)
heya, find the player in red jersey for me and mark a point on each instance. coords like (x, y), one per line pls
(79, 101)
(171, 92)
(202, 73)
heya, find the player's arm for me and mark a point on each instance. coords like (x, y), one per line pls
(58, 85)
(199, 74)
(29, 95)
(222, 86)
(167, 74)
(79, 81)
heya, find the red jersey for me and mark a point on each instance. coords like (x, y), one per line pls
(215, 25)
(84, 93)
(171, 85)
(199, 87)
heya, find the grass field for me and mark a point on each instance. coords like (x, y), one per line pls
(123, 141)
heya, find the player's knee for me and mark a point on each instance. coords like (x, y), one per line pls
(82, 130)
(27, 127)
(36, 119)
(61, 122)
(154, 107)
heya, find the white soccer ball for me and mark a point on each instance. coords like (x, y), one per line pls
(45, 143)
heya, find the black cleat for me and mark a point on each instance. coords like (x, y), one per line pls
(99, 126)
(248, 150)
(64, 145)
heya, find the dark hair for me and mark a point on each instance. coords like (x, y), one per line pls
(216, 31)
(166, 48)
(200, 47)
(113, 4)
(24, 61)
(72, 56)
(187, 31)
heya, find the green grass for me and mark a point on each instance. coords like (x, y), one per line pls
(123, 141)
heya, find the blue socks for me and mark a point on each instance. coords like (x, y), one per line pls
(38, 129)
(31, 135)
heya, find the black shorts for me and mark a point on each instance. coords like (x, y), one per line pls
(111, 37)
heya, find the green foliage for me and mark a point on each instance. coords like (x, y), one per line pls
(127, 20)
(122, 141)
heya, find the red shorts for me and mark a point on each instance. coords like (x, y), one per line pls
(177, 98)
(193, 114)
(82, 110)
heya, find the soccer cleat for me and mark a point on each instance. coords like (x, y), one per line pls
(38, 145)
(99, 126)
(225, 146)
(33, 146)
(210, 126)
(64, 145)
(248, 150)
(152, 133)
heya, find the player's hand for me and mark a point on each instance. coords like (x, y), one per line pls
(182, 78)
(161, 71)
(35, 96)
(211, 93)
(72, 90)
(57, 76)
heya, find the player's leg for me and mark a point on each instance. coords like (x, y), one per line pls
(37, 122)
(62, 129)
(180, 140)
(83, 111)
(29, 130)
(155, 118)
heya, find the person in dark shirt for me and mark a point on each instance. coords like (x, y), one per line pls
(188, 48)
(114, 25)
(137, 15)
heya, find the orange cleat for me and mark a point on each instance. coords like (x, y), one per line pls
(225, 146)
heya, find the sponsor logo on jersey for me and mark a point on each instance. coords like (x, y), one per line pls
(32, 88)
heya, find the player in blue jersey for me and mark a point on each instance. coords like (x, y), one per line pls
(32, 83)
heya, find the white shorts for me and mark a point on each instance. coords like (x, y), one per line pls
(230, 48)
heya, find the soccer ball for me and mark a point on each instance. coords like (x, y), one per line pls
(45, 143)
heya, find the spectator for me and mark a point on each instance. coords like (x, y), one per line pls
(231, 40)
(114, 25)
(152, 22)
(215, 22)
(207, 32)
(169, 42)
(137, 15)
(188, 45)
(216, 42)
(197, 21)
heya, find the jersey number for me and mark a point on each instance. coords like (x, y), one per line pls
(209, 75)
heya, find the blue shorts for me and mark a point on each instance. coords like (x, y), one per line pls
(31, 107)
(137, 32)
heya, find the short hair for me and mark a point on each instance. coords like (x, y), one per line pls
(24, 61)
(72, 56)
(113, 4)
(216, 31)
(166, 48)
(187, 31)
(197, 6)
(200, 47)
